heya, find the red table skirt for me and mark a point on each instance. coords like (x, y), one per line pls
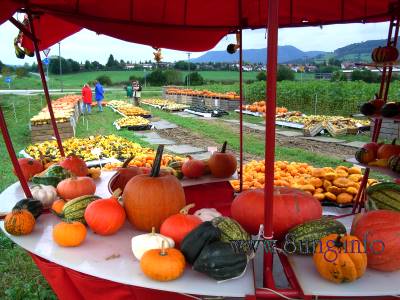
(68, 284)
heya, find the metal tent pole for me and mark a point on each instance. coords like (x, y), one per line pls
(13, 156)
(272, 52)
(241, 112)
(45, 88)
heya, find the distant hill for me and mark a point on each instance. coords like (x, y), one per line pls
(285, 54)
(290, 54)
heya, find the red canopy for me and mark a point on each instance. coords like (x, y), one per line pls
(191, 25)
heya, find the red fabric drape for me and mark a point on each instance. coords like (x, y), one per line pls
(195, 25)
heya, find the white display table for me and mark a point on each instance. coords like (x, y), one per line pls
(373, 283)
(111, 258)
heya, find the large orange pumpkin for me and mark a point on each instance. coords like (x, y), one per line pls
(150, 199)
(179, 225)
(73, 187)
(222, 164)
(75, 165)
(105, 216)
(379, 231)
(30, 167)
(387, 150)
(291, 207)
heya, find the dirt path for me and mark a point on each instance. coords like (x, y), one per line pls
(185, 136)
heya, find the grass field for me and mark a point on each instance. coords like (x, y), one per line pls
(77, 80)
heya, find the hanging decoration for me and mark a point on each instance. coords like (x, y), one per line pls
(157, 54)
(20, 50)
(232, 48)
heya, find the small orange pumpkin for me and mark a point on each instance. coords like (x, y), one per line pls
(163, 264)
(19, 222)
(57, 207)
(222, 164)
(340, 258)
(73, 187)
(69, 234)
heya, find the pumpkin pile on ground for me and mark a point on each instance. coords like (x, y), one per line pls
(338, 184)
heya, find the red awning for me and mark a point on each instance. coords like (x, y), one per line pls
(192, 25)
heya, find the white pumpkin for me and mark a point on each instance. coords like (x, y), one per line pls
(45, 194)
(144, 242)
(207, 214)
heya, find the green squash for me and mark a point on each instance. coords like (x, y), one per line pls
(303, 239)
(35, 207)
(197, 239)
(231, 231)
(74, 210)
(52, 176)
(385, 195)
(219, 261)
(394, 163)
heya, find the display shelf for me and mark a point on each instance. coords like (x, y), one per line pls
(290, 124)
(373, 283)
(250, 113)
(111, 258)
(205, 115)
(383, 170)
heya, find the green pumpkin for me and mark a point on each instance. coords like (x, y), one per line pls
(385, 195)
(394, 163)
(219, 261)
(303, 239)
(52, 176)
(74, 210)
(35, 207)
(197, 239)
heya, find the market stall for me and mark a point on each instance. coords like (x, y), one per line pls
(164, 25)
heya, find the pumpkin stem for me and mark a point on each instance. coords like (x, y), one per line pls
(153, 230)
(126, 162)
(117, 193)
(338, 243)
(163, 252)
(394, 141)
(155, 170)
(224, 147)
(189, 157)
(185, 210)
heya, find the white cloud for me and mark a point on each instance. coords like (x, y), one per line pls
(88, 45)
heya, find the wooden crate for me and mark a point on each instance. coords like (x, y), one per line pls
(40, 133)
(335, 132)
(313, 130)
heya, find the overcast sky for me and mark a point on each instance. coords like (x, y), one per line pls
(88, 45)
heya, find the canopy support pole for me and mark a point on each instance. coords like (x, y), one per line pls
(241, 112)
(45, 87)
(272, 53)
(13, 156)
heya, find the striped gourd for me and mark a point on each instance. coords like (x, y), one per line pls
(385, 195)
(303, 238)
(74, 210)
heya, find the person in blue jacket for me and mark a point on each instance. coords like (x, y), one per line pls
(99, 94)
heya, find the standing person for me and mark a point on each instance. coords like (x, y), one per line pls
(99, 91)
(129, 92)
(137, 88)
(87, 97)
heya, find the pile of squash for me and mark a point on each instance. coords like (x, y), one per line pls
(204, 93)
(338, 184)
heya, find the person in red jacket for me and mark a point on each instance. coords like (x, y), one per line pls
(87, 98)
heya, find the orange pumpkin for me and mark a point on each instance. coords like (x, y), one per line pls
(387, 150)
(150, 199)
(75, 165)
(340, 258)
(69, 234)
(105, 216)
(179, 225)
(163, 264)
(58, 206)
(30, 167)
(123, 175)
(71, 188)
(222, 164)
